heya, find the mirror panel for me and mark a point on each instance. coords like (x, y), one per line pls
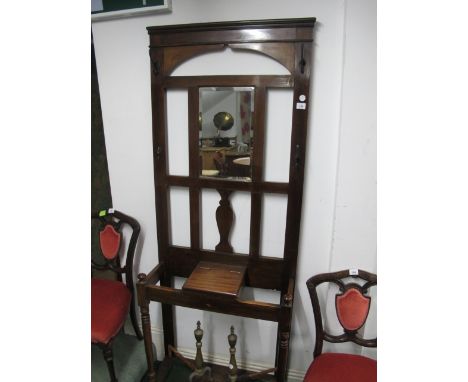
(226, 132)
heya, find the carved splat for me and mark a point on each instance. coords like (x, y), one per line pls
(224, 219)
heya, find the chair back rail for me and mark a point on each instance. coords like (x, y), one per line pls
(116, 219)
(343, 303)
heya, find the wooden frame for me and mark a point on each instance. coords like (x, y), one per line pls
(289, 42)
(101, 15)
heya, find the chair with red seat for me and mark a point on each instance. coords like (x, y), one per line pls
(112, 300)
(352, 306)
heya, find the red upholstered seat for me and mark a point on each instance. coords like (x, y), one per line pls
(338, 367)
(110, 303)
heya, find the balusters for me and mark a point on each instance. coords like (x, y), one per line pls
(232, 339)
(199, 369)
(198, 332)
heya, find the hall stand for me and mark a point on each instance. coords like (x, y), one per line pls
(215, 277)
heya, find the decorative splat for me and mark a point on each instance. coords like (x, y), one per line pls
(224, 219)
(110, 242)
(352, 308)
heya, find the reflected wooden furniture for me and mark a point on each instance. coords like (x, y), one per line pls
(208, 155)
(352, 305)
(289, 42)
(113, 300)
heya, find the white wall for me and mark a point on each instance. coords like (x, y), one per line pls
(338, 222)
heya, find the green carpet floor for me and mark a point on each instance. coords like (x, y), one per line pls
(129, 360)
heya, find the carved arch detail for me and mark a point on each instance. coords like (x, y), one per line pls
(174, 56)
(283, 53)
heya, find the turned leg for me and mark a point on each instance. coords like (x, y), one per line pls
(107, 351)
(284, 330)
(146, 323)
(282, 356)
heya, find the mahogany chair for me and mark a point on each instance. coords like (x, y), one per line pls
(112, 300)
(352, 308)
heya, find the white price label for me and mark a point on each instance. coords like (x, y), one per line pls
(300, 105)
(354, 272)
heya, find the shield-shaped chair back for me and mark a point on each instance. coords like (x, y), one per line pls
(352, 305)
(110, 242)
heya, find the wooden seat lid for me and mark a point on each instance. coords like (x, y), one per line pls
(217, 278)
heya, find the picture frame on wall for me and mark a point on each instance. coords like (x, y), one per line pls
(109, 9)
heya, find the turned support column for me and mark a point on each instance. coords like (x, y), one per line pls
(199, 369)
(232, 339)
(198, 332)
(284, 330)
(146, 323)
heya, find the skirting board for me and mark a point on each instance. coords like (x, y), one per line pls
(157, 333)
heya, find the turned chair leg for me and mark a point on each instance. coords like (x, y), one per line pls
(107, 351)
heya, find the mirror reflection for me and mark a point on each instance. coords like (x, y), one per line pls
(226, 132)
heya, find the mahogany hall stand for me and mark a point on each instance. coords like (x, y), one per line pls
(216, 276)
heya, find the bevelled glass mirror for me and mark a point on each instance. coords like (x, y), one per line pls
(226, 132)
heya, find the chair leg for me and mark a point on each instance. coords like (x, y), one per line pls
(107, 351)
(133, 317)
